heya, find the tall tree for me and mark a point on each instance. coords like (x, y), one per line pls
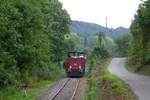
(31, 39)
(140, 30)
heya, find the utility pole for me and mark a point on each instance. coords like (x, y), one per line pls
(106, 22)
(85, 41)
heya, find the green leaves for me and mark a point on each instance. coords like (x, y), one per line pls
(123, 45)
(140, 30)
(32, 37)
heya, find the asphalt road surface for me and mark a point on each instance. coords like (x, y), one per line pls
(140, 84)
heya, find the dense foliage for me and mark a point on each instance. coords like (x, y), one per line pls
(100, 50)
(75, 42)
(96, 56)
(123, 45)
(92, 91)
(31, 39)
(140, 30)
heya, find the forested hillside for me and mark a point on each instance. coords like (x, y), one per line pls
(85, 29)
(32, 40)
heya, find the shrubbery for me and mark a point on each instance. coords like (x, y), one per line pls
(101, 52)
(93, 79)
(96, 56)
(123, 43)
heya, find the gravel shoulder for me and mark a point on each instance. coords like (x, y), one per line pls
(140, 84)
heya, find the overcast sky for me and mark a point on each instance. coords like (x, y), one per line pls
(118, 12)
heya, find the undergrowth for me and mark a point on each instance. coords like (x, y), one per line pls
(31, 93)
(137, 68)
(92, 92)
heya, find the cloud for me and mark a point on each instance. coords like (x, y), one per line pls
(119, 12)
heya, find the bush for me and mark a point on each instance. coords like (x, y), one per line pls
(93, 79)
(101, 52)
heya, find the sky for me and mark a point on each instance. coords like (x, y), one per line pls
(118, 12)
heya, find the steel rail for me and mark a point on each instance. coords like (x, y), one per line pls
(59, 90)
(74, 93)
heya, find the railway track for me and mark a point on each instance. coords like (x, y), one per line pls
(75, 90)
(65, 89)
(68, 91)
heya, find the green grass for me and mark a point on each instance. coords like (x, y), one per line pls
(92, 92)
(106, 86)
(117, 86)
(114, 82)
(42, 84)
(13, 93)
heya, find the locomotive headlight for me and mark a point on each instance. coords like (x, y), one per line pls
(70, 67)
(79, 67)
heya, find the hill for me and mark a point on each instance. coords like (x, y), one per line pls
(86, 29)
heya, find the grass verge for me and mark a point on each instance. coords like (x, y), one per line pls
(135, 68)
(112, 88)
(15, 93)
(92, 91)
(105, 86)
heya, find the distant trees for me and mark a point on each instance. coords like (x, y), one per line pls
(100, 49)
(72, 41)
(101, 38)
(140, 30)
(31, 39)
(122, 48)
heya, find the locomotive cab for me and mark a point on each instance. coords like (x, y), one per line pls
(75, 64)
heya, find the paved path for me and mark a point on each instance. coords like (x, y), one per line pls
(140, 84)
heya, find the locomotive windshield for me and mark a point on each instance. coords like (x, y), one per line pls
(76, 54)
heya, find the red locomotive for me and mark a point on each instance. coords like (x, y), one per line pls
(75, 64)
